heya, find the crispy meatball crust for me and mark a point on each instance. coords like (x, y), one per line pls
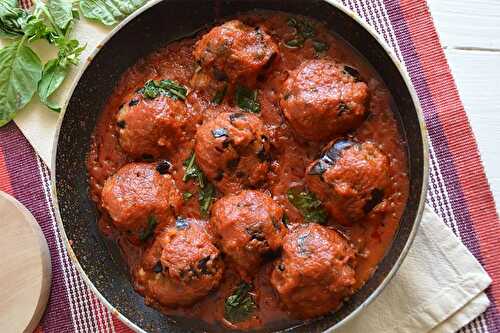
(234, 51)
(233, 151)
(137, 192)
(152, 128)
(350, 179)
(314, 272)
(248, 226)
(320, 100)
(181, 266)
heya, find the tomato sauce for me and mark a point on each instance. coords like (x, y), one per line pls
(371, 237)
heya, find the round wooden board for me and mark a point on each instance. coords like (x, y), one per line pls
(25, 268)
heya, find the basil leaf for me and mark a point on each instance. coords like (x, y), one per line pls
(247, 99)
(52, 77)
(61, 11)
(320, 46)
(219, 95)
(109, 12)
(20, 71)
(149, 230)
(306, 202)
(69, 51)
(205, 199)
(192, 171)
(240, 305)
(12, 19)
(170, 88)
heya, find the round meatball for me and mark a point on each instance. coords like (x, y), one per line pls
(139, 197)
(235, 51)
(181, 266)
(314, 272)
(233, 151)
(153, 128)
(249, 226)
(350, 179)
(321, 99)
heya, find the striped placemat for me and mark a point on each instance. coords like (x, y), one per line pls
(458, 190)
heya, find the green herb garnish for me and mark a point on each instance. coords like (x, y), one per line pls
(22, 73)
(306, 202)
(148, 232)
(240, 305)
(320, 46)
(207, 190)
(205, 198)
(109, 12)
(246, 99)
(304, 28)
(295, 43)
(192, 171)
(304, 31)
(219, 95)
(169, 88)
(187, 195)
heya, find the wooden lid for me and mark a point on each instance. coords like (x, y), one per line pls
(25, 268)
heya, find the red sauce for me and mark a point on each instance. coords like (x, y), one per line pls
(371, 237)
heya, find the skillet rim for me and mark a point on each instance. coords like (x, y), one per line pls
(425, 158)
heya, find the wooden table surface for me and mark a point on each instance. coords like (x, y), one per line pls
(470, 35)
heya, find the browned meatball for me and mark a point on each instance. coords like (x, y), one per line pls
(181, 266)
(233, 151)
(138, 194)
(152, 128)
(321, 99)
(249, 226)
(350, 179)
(314, 272)
(235, 51)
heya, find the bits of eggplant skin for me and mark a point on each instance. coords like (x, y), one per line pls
(181, 223)
(220, 133)
(235, 116)
(121, 124)
(148, 157)
(164, 167)
(331, 155)
(352, 72)
(377, 196)
(158, 268)
(262, 154)
(133, 102)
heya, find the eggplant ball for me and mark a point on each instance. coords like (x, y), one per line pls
(234, 51)
(350, 179)
(233, 151)
(315, 272)
(152, 128)
(249, 227)
(138, 193)
(181, 266)
(321, 99)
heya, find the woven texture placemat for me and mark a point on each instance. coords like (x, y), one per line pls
(458, 190)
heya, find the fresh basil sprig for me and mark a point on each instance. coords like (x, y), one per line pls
(21, 71)
(247, 99)
(109, 12)
(306, 202)
(207, 190)
(240, 305)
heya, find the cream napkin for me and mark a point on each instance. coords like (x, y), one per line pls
(439, 287)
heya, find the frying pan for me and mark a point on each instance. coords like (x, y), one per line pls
(154, 26)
